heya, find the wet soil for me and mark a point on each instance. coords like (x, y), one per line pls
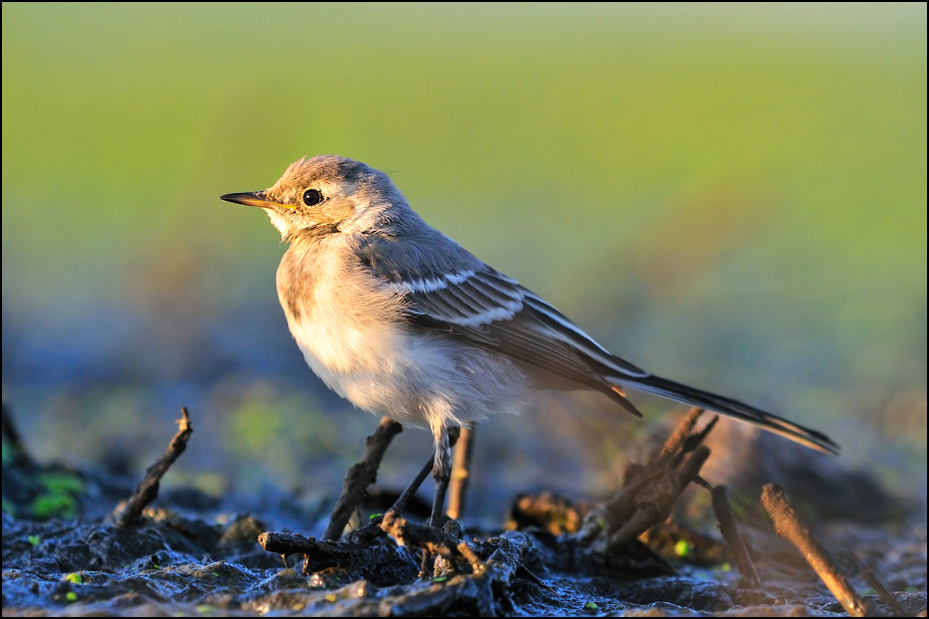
(191, 554)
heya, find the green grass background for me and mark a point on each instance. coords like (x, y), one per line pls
(730, 195)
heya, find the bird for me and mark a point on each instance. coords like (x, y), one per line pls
(403, 322)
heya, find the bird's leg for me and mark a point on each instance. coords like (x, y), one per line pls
(400, 504)
(442, 470)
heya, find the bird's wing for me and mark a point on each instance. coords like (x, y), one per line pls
(446, 288)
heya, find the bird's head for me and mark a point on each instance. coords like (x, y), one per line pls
(327, 193)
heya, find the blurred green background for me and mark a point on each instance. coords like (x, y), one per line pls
(733, 196)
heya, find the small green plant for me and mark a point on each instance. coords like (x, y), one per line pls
(682, 548)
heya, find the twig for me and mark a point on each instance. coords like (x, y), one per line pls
(684, 429)
(445, 542)
(655, 497)
(360, 560)
(789, 527)
(326, 553)
(129, 511)
(403, 500)
(418, 535)
(649, 491)
(361, 475)
(461, 471)
(554, 513)
(11, 436)
(877, 583)
(477, 566)
(723, 510)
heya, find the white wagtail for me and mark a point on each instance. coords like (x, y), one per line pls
(402, 321)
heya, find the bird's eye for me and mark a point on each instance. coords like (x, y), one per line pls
(312, 197)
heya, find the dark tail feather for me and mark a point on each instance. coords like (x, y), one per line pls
(732, 408)
(619, 396)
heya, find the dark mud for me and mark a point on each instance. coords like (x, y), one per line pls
(63, 554)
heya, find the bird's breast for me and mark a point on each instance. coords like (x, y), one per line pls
(346, 323)
(352, 332)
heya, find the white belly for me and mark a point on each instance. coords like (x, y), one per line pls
(353, 336)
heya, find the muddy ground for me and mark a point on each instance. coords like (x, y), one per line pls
(65, 553)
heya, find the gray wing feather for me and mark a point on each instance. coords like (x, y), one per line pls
(447, 288)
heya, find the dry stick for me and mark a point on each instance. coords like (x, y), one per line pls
(129, 511)
(430, 539)
(789, 527)
(11, 436)
(655, 503)
(319, 555)
(361, 475)
(401, 503)
(461, 469)
(477, 566)
(723, 510)
(682, 432)
(877, 583)
(649, 491)
(419, 535)
(326, 553)
(549, 511)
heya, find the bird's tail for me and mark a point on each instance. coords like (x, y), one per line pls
(732, 408)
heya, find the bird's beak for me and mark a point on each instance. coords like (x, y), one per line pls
(254, 198)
